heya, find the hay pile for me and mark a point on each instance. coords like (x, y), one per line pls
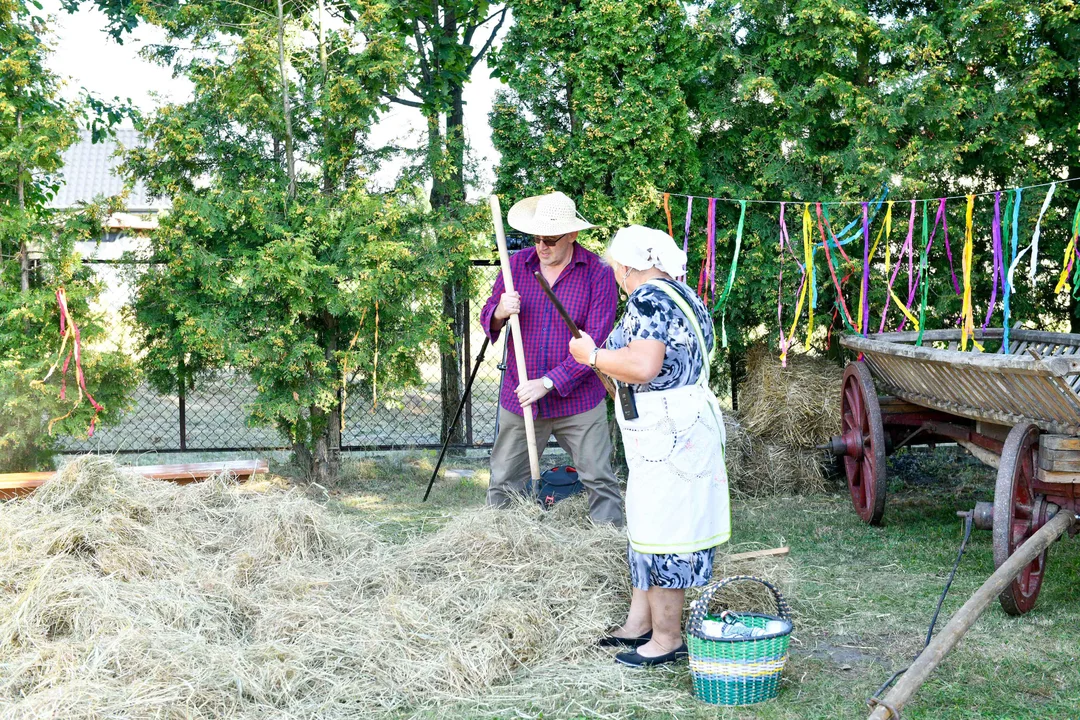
(783, 413)
(133, 598)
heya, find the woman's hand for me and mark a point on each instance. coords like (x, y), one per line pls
(582, 347)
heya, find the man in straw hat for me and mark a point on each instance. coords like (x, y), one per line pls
(566, 397)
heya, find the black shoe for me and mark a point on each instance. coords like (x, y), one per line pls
(612, 641)
(632, 658)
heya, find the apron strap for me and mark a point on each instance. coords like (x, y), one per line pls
(691, 317)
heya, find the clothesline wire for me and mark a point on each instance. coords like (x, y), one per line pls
(860, 202)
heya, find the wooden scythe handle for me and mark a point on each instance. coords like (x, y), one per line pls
(515, 331)
(604, 379)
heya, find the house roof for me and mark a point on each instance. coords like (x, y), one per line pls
(90, 170)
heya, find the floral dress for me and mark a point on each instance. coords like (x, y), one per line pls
(652, 315)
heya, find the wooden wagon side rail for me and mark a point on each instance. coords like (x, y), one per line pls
(1004, 389)
(17, 484)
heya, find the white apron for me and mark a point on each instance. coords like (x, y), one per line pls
(677, 492)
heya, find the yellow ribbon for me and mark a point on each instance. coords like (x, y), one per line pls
(808, 257)
(1066, 265)
(967, 320)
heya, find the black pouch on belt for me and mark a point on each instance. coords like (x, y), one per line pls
(625, 394)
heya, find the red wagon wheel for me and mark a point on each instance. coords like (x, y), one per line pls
(1018, 513)
(863, 437)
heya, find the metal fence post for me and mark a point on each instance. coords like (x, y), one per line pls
(181, 389)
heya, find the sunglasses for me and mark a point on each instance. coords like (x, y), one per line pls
(550, 242)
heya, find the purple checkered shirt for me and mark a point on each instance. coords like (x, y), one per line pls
(586, 288)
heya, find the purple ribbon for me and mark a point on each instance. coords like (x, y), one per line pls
(686, 231)
(711, 262)
(999, 264)
(948, 250)
(896, 271)
(942, 219)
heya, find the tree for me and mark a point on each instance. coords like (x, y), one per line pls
(596, 105)
(441, 34)
(36, 126)
(933, 99)
(275, 260)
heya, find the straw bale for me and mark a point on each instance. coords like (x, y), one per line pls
(758, 467)
(797, 406)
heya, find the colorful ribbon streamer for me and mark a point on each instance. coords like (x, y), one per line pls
(864, 302)
(1070, 249)
(1006, 311)
(822, 225)
(70, 331)
(924, 276)
(686, 232)
(808, 259)
(722, 304)
(998, 272)
(667, 211)
(1038, 231)
(967, 319)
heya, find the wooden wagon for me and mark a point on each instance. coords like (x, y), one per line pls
(1018, 412)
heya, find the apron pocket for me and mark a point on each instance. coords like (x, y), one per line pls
(650, 442)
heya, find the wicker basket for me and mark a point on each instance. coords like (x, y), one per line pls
(737, 671)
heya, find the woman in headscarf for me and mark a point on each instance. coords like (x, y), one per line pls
(677, 508)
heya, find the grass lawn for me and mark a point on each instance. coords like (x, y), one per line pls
(863, 596)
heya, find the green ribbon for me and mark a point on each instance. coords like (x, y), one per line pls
(721, 306)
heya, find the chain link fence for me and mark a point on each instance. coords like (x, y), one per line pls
(213, 417)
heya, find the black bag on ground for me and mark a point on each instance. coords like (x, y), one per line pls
(557, 484)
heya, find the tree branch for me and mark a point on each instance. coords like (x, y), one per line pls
(487, 45)
(489, 17)
(425, 70)
(403, 101)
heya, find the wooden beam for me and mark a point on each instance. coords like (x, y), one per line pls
(755, 554)
(965, 617)
(18, 484)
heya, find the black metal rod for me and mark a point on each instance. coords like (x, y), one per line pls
(608, 384)
(457, 415)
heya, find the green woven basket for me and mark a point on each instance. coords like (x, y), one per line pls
(737, 671)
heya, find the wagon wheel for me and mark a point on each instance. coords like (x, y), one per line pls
(864, 440)
(1018, 513)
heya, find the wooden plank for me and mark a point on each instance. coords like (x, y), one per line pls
(987, 415)
(1053, 455)
(1059, 442)
(17, 484)
(755, 554)
(993, 430)
(1048, 476)
(1059, 465)
(1000, 363)
(891, 405)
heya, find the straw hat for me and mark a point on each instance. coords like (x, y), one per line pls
(547, 215)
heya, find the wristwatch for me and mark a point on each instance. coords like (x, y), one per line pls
(592, 356)
(548, 384)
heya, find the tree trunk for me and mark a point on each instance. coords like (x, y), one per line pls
(447, 189)
(321, 463)
(286, 109)
(24, 254)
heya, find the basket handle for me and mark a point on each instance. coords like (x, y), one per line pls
(700, 607)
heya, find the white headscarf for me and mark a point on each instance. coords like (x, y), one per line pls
(641, 248)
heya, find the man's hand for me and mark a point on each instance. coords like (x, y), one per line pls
(582, 347)
(530, 392)
(509, 304)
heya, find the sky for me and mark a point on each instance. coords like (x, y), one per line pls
(87, 57)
